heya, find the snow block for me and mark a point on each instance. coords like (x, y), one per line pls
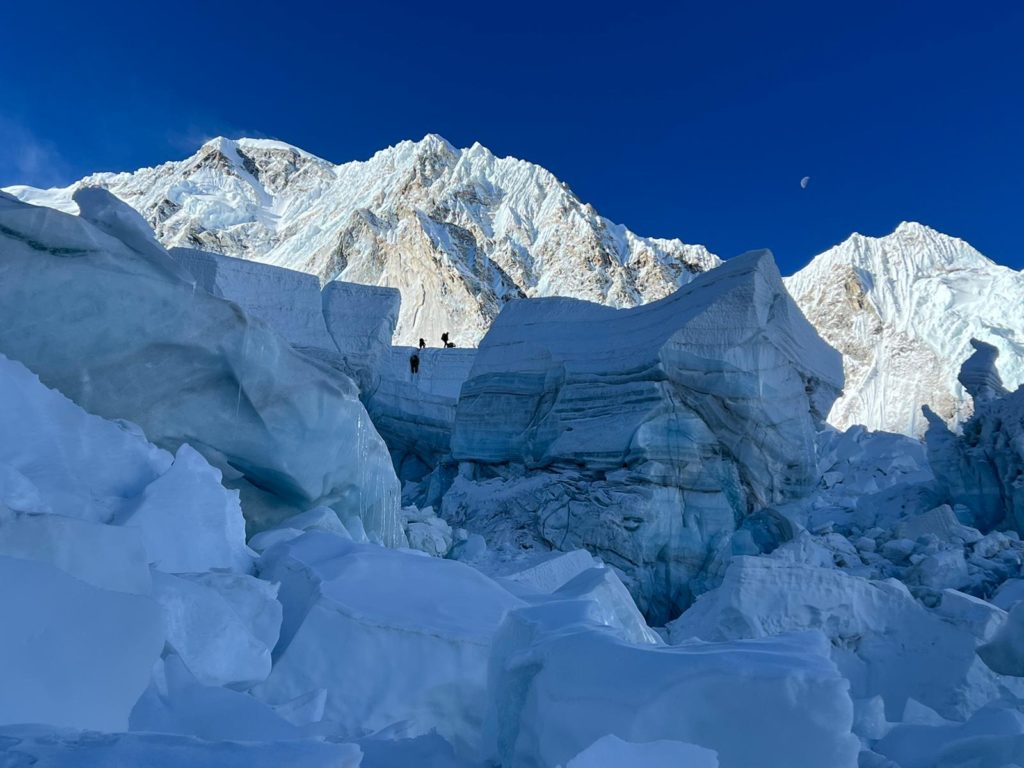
(218, 643)
(885, 641)
(394, 637)
(70, 749)
(78, 465)
(547, 705)
(188, 520)
(613, 752)
(71, 654)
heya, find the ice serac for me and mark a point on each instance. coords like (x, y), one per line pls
(982, 467)
(114, 326)
(286, 300)
(547, 705)
(902, 309)
(459, 232)
(979, 375)
(647, 434)
(361, 321)
(346, 326)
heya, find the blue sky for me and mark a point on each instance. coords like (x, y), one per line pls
(690, 120)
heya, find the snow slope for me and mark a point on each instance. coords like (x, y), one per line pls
(902, 309)
(458, 231)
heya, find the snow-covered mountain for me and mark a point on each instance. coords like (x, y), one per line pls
(461, 232)
(458, 231)
(902, 309)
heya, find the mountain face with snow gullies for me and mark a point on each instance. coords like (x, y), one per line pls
(459, 232)
(902, 310)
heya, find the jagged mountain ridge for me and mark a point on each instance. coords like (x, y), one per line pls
(902, 310)
(459, 232)
(462, 232)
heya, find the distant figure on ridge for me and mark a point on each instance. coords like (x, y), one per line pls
(414, 363)
(444, 339)
(449, 345)
(423, 344)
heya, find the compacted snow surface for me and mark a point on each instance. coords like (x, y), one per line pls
(238, 529)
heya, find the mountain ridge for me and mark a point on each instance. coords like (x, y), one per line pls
(458, 231)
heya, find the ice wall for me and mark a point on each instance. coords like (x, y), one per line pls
(286, 300)
(121, 329)
(645, 434)
(982, 467)
(415, 413)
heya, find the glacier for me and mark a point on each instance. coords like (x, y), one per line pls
(184, 365)
(613, 536)
(460, 233)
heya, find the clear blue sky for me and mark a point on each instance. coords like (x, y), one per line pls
(694, 120)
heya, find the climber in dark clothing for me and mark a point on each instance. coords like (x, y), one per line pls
(423, 344)
(414, 363)
(444, 339)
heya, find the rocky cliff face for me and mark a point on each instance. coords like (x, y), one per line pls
(459, 232)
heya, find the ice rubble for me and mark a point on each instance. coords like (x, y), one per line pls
(886, 643)
(86, 615)
(547, 705)
(854, 606)
(644, 435)
(98, 633)
(123, 330)
(347, 606)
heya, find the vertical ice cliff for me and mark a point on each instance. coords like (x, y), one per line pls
(458, 231)
(983, 468)
(902, 310)
(645, 435)
(101, 312)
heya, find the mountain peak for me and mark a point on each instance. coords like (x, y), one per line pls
(435, 141)
(220, 144)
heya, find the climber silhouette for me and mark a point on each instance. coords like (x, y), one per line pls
(423, 344)
(414, 363)
(444, 339)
